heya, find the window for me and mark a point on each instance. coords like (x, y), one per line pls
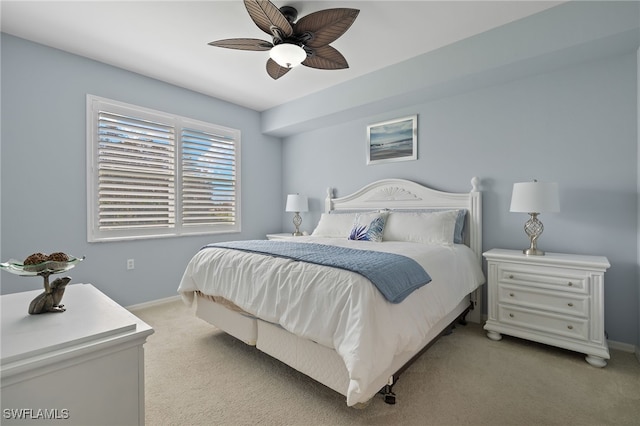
(152, 174)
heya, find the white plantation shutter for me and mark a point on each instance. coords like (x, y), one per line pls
(151, 174)
(208, 178)
(136, 173)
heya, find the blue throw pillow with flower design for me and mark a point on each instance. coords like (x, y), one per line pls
(368, 227)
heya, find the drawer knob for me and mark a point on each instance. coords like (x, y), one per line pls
(570, 305)
(511, 294)
(570, 327)
(511, 277)
(511, 315)
(570, 284)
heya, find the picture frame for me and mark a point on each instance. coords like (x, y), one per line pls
(393, 140)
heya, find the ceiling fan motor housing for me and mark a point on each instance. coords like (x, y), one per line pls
(289, 12)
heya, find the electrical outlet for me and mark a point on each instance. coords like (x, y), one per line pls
(131, 264)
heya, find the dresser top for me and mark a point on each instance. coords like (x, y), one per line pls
(91, 316)
(555, 259)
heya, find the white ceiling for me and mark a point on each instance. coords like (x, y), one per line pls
(167, 40)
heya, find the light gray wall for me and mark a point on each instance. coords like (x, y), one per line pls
(43, 185)
(576, 125)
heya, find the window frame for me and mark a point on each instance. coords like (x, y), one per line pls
(95, 104)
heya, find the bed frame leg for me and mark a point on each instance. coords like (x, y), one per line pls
(387, 392)
(463, 318)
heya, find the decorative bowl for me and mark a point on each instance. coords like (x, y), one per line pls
(50, 266)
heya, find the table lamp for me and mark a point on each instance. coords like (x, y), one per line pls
(297, 203)
(534, 198)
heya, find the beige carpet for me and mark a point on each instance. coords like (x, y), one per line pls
(197, 375)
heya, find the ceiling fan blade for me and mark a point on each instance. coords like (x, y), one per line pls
(275, 70)
(243, 44)
(326, 26)
(326, 58)
(266, 15)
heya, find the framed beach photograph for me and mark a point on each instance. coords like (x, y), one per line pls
(393, 140)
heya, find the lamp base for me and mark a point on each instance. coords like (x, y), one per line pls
(533, 252)
(297, 221)
(533, 228)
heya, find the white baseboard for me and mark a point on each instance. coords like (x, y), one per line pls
(137, 307)
(624, 347)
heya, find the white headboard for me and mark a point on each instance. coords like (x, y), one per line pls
(405, 194)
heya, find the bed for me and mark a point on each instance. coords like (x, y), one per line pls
(333, 324)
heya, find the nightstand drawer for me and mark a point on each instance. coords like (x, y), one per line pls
(546, 323)
(543, 277)
(563, 303)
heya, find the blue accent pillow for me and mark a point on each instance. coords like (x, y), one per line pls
(458, 232)
(368, 227)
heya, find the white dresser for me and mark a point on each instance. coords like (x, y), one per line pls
(556, 299)
(84, 366)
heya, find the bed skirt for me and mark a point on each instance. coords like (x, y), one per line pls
(319, 362)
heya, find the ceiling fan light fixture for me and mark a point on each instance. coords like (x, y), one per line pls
(288, 55)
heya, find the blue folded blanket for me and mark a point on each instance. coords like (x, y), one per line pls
(396, 276)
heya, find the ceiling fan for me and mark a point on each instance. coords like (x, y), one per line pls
(304, 42)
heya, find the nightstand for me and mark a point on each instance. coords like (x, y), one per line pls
(555, 299)
(282, 236)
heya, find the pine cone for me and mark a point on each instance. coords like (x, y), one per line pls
(35, 258)
(58, 257)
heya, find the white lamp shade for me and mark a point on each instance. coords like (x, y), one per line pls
(297, 203)
(288, 55)
(535, 197)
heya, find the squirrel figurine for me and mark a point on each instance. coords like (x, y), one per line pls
(50, 301)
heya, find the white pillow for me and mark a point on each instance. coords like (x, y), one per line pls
(427, 228)
(334, 225)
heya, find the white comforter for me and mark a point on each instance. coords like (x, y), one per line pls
(337, 308)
